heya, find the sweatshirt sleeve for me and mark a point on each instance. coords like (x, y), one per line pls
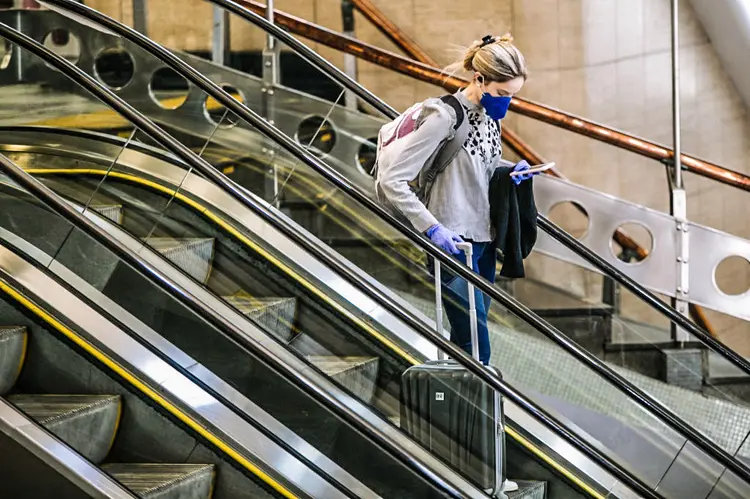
(405, 159)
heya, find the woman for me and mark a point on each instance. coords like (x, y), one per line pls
(457, 207)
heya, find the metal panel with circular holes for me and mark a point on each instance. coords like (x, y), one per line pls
(605, 213)
(347, 137)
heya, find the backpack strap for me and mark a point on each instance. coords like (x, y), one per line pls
(447, 150)
(458, 108)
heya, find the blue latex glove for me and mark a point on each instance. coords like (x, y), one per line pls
(521, 166)
(445, 238)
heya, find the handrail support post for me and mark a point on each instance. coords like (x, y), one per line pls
(220, 36)
(350, 61)
(271, 78)
(678, 195)
(140, 16)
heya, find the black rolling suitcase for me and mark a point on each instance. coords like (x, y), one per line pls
(453, 413)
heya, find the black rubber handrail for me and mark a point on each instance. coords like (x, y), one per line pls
(546, 225)
(58, 205)
(191, 159)
(522, 311)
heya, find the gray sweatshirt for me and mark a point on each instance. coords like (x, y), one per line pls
(459, 198)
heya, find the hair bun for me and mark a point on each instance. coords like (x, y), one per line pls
(506, 38)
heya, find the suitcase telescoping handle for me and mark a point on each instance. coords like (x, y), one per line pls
(467, 249)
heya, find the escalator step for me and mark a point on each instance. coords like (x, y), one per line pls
(193, 255)
(165, 481)
(87, 423)
(276, 314)
(357, 374)
(12, 353)
(529, 490)
(111, 211)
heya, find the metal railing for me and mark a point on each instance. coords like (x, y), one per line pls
(523, 312)
(525, 107)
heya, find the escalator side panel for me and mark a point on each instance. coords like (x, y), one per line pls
(23, 474)
(147, 433)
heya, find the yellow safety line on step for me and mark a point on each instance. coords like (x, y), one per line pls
(117, 427)
(145, 389)
(24, 351)
(551, 462)
(218, 220)
(395, 348)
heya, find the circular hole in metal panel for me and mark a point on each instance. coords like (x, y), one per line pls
(114, 67)
(732, 276)
(6, 54)
(316, 134)
(63, 43)
(168, 88)
(366, 155)
(633, 244)
(571, 217)
(217, 113)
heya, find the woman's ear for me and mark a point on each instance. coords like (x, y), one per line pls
(478, 77)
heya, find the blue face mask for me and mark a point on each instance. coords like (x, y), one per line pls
(496, 107)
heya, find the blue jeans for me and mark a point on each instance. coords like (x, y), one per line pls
(456, 299)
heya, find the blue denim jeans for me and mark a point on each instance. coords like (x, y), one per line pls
(456, 299)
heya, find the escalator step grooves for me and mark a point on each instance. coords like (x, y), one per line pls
(112, 212)
(357, 374)
(87, 423)
(193, 255)
(529, 490)
(276, 314)
(164, 480)
(46, 409)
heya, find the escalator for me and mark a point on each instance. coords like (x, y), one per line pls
(297, 438)
(344, 140)
(258, 282)
(104, 416)
(167, 226)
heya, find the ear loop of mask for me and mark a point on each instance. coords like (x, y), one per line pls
(483, 88)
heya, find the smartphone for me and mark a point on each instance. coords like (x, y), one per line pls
(534, 169)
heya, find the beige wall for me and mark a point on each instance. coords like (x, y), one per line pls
(608, 60)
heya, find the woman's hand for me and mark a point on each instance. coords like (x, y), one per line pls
(445, 238)
(521, 166)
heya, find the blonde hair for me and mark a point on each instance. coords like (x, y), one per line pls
(495, 58)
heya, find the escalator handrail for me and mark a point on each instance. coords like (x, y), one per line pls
(602, 265)
(534, 110)
(147, 126)
(582, 355)
(59, 206)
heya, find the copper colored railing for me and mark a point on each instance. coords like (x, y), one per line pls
(519, 146)
(424, 69)
(430, 74)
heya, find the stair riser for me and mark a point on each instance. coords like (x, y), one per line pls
(361, 381)
(278, 319)
(12, 354)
